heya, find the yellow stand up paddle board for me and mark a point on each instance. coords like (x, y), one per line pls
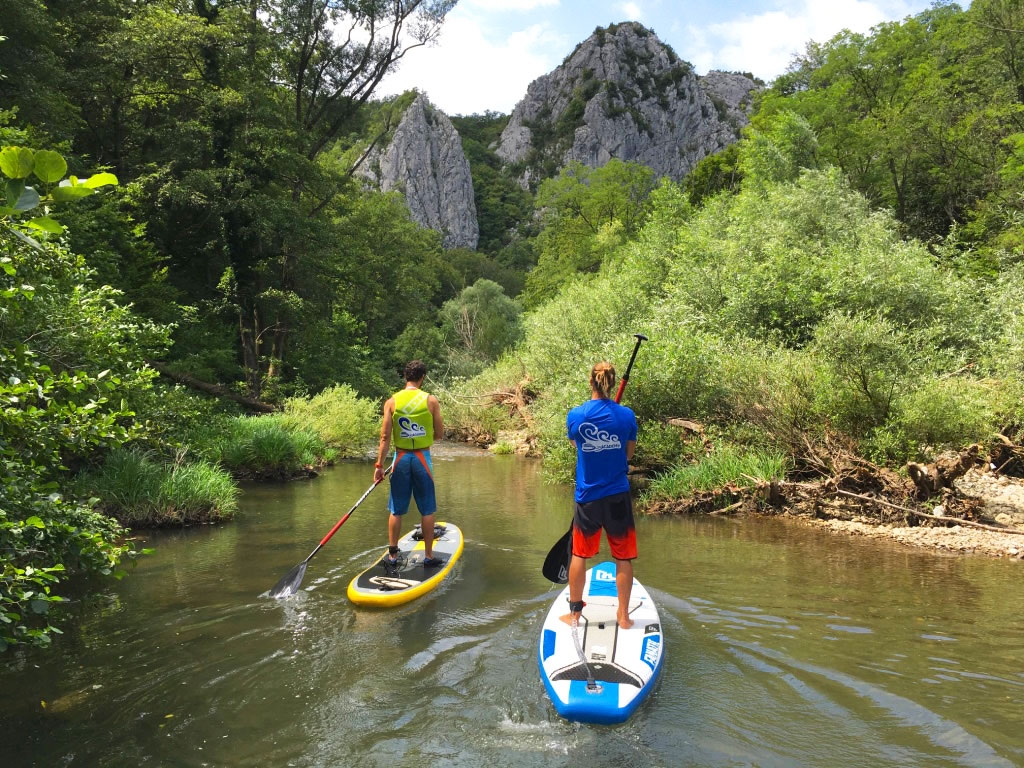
(385, 586)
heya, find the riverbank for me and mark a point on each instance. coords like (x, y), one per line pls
(990, 499)
(955, 540)
(995, 504)
(999, 499)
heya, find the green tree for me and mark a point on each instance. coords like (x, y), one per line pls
(587, 213)
(915, 113)
(478, 325)
(221, 116)
(715, 173)
(71, 363)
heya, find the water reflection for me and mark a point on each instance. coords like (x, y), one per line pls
(785, 646)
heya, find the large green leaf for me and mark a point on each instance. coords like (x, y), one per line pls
(46, 224)
(16, 162)
(49, 167)
(29, 199)
(65, 194)
(100, 180)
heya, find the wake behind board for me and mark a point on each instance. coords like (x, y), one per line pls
(624, 663)
(381, 587)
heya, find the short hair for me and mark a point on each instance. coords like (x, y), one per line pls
(602, 379)
(415, 370)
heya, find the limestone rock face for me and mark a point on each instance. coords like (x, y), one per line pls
(624, 94)
(425, 162)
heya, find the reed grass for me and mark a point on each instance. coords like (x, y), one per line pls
(271, 446)
(142, 492)
(341, 419)
(726, 465)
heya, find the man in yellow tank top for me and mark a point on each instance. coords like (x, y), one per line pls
(412, 420)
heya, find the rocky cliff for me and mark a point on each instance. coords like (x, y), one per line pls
(623, 93)
(425, 162)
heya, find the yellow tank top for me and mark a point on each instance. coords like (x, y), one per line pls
(412, 424)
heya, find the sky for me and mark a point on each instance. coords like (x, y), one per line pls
(489, 51)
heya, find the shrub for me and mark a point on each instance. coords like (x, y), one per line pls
(338, 416)
(943, 413)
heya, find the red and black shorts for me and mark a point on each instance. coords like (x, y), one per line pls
(612, 513)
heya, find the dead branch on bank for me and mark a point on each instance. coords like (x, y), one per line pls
(843, 477)
(517, 401)
(930, 479)
(943, 519)
(1006, 457)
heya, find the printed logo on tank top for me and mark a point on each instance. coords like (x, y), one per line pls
(409, 428)
(596, 439)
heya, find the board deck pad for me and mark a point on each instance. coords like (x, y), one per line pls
(624, 663)
(384, 587)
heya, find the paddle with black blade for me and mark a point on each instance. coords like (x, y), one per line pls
(556, 564)
(289, 584)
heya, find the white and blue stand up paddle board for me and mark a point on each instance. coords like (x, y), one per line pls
(612, 670)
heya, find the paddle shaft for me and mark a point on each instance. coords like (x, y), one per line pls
(640, 338)
(348, 514)
(290, 582)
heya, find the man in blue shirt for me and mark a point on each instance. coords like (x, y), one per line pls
(604, 435)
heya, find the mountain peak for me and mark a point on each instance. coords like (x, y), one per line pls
(623, 93)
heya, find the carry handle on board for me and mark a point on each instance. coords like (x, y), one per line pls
(556, 564)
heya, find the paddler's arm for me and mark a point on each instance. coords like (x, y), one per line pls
(630, 447)
(435, 413)
(385, 440)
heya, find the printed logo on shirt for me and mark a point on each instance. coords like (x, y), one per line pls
(409, 428)
(595, 439)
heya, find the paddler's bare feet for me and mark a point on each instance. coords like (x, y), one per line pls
(624, 621)
(568, 618)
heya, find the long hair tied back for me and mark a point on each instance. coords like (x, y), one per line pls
(602, 379)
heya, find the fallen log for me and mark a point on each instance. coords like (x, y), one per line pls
(687, 426)
(211, 389)
(727, 510)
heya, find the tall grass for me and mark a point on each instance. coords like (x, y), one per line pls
(727, 465)
(271, 446)
(141, 492)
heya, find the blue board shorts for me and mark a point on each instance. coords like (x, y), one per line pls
(413, 476)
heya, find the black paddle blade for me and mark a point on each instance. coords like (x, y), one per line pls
(556, 564)
(289, 585)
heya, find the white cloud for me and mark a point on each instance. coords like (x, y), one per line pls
(510, 5)
(632, 11)
(466, 73)
(766, 43)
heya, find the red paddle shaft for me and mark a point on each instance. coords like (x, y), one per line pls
(348, 514)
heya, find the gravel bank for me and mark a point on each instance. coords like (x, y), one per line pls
(1003, 502)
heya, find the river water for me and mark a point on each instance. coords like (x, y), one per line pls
(785, 646)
